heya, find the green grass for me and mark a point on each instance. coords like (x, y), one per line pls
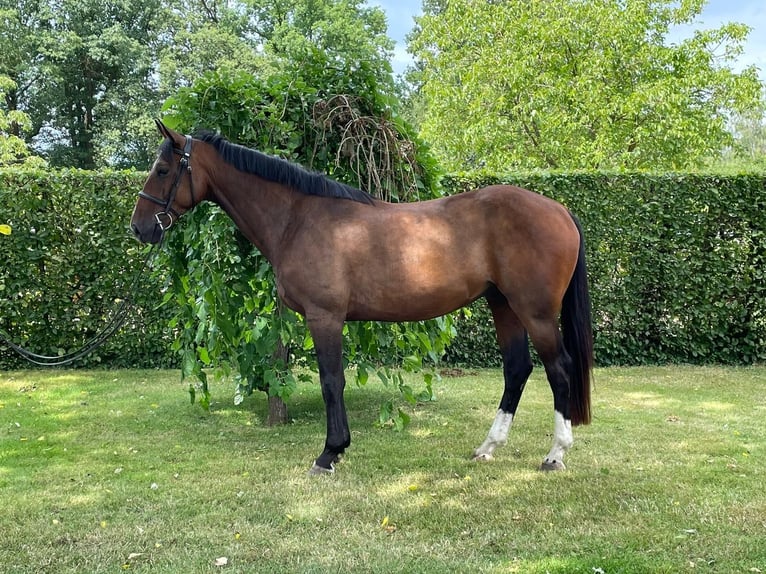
(112, 471)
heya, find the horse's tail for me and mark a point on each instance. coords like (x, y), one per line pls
(577, 332)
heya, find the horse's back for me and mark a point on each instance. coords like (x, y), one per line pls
(519, 204)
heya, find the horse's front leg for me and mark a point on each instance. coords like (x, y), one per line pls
(328, 343)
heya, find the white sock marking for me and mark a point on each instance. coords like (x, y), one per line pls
(497, 436)
(562, 438)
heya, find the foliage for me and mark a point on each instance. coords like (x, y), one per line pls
(82, 68)
(577, 85)
(676, 265)
(67, 265)
(345, 33)
(207, 35)
(263, 37)
(114, 473)
(749, 148)
(87, 73)
(229, 314)
(475, 341)
(595, 88)
(13, 149)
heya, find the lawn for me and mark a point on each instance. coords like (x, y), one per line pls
(114, 471)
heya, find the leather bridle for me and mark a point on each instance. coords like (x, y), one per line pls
(168, 213)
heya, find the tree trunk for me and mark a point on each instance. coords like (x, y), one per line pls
(277, 407)
(277, 412)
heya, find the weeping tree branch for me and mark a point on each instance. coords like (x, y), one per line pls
(382, 160)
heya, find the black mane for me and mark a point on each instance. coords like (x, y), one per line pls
(281, 171)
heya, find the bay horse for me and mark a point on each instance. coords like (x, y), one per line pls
(340, 255)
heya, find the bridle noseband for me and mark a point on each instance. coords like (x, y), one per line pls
(170, 214)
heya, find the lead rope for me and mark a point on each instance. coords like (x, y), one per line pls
(118, 320)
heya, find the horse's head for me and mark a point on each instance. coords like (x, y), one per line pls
(169, 190)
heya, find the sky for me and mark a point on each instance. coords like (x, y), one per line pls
(400, 14)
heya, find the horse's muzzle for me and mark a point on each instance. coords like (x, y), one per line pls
(151, 235)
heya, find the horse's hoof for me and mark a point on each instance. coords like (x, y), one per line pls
(552, 465)
(317, 470)
(483, 457)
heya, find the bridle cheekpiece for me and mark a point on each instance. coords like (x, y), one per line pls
(169, 214)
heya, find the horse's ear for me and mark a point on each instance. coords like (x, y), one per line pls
(178, 139)
(164, 131)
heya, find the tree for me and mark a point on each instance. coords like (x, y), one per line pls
(204, 36)
(13, 149)
(347, 32)
(571, 84)
(18, 38)
(229, 311)
(88, 73)
(749, 148)
(82, 70)
(262, 37)
(324, 98)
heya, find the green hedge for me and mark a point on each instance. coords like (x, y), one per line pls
(676, 267)
(676, 264)
(67, 263)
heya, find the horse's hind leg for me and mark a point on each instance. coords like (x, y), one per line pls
(547, 339)
(517, 365)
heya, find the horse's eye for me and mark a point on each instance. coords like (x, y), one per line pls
(162, 171)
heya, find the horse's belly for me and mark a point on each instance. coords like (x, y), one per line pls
(405, 303)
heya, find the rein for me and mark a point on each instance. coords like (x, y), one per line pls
(184, 165)
(165, 220)
(114, 325)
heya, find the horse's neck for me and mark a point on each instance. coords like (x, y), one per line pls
(259, 208)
